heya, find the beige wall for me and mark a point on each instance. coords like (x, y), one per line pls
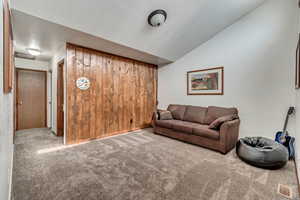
(32, 64)
(297, 136)
(6, 129)
(258, 55)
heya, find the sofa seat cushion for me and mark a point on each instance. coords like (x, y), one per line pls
(205, 131)
(214, 113)
(164, 123)
(177, 111)
(184, 126)
(195, 114)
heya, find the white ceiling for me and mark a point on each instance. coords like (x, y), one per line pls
(33, 32)
(189, 23)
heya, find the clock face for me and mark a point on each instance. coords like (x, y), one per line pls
(83, 83)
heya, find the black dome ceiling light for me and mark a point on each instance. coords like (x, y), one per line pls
(157, 18)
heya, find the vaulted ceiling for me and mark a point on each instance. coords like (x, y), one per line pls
(189, 23)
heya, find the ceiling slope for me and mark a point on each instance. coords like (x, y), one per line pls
(189, 23)
(33, 32)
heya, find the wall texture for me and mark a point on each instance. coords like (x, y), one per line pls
(258, 54)
(42, 66)
(6, 129)
(121, 97)
(32, 64)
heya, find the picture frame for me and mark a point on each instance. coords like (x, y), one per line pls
(8, 49)
(208, 81)
(297, 65)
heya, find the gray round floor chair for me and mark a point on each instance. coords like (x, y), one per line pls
(262, 152)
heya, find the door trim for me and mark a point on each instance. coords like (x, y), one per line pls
(62, 61)
(17, 94)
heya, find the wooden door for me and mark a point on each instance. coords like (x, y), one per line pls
(31, 99)
(60, 99)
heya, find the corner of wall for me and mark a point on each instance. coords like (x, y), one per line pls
(57, 57)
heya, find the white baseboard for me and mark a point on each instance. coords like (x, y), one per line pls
(11, 174)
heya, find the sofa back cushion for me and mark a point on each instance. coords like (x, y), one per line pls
(177, 111)
(195, 114)
(214, 112)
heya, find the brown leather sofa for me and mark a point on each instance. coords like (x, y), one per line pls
(191, 124)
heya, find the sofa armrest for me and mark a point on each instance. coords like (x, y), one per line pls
(154, 118)
(229, 133)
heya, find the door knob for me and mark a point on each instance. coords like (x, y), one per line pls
(20, 103)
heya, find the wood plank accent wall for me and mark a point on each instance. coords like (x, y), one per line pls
(121, 98)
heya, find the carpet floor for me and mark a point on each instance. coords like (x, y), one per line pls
(137, 166)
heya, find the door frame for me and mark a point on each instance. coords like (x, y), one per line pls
(17, 94)
(61, 62)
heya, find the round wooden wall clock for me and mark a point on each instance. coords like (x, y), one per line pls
(83, 83)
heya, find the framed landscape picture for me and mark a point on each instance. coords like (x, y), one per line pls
(206, 81)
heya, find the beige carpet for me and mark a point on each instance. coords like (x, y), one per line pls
(136, 166)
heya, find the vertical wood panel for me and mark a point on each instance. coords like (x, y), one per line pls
(79, 101)
(115, 93)
(93, 96)
(99, 90)
(138, 94)
(122, 95)
(86, 97)
(71, 95)
(109, 102)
